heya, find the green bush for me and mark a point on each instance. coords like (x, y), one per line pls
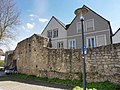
(1, 63)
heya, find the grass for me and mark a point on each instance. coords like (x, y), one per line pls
(72, 83)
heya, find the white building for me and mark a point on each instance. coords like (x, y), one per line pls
(55, 30)
(116, 36)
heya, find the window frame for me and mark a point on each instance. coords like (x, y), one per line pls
(55, 32)
(77, 24)
(87, 25)
(87, 43)
(104, 40)
(49, 36)
(73, 45)
(61, 44)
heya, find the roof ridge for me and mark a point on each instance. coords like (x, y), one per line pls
(59, 21)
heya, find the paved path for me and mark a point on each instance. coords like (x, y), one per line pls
(8, 83)
(12, 85)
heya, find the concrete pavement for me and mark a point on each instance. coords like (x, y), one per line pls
(8, 83)
(12, 85)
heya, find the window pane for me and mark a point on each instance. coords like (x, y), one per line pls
(89, 44)
(72, 44)
(79, 27)
(89, 25)
(55, 32)
(101, 40)
(60, 45)
(49, 34)
(92, 42)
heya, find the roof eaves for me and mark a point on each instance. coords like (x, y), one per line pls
(47, 24)
(71, 22)
(94, 12)
(116, 32)
(60, 22)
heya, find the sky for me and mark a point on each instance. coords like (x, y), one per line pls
(35, 14)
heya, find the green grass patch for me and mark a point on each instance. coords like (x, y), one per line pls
(72, 83)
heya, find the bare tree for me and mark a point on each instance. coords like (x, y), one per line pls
(9, 18)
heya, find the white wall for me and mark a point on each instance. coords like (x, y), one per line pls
(116, 37)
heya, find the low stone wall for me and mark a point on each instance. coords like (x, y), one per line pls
(102, 63)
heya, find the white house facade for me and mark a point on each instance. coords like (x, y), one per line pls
(55, 30)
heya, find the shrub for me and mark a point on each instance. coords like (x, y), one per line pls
(1, 63)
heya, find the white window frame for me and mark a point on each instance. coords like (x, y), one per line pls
(51, 33)
(101, 35)
(61, 46)
(90, 41)
(71, 40)
(92, 24)
(77, 24)
(55, 35)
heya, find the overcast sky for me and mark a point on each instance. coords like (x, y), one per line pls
(35, 14)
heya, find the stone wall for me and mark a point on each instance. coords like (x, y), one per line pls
(103, 63)
(34, 58)
(31, 56)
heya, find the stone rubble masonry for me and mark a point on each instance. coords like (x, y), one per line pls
(34, 58)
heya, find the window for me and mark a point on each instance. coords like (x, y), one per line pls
(79, 27)
(49, 34)
(55, 32)
(90, 42)
(60, 45)
(72, 43)
(90, 25)
(101, 40)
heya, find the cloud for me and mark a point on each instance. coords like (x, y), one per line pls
(30, 26)
(33, 15)
(43, 20)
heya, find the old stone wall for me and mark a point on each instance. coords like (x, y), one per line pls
(103, 63)
(31, 56)
(34, 58)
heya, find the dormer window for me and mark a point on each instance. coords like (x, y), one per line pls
(55, 32)
(49, 34)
